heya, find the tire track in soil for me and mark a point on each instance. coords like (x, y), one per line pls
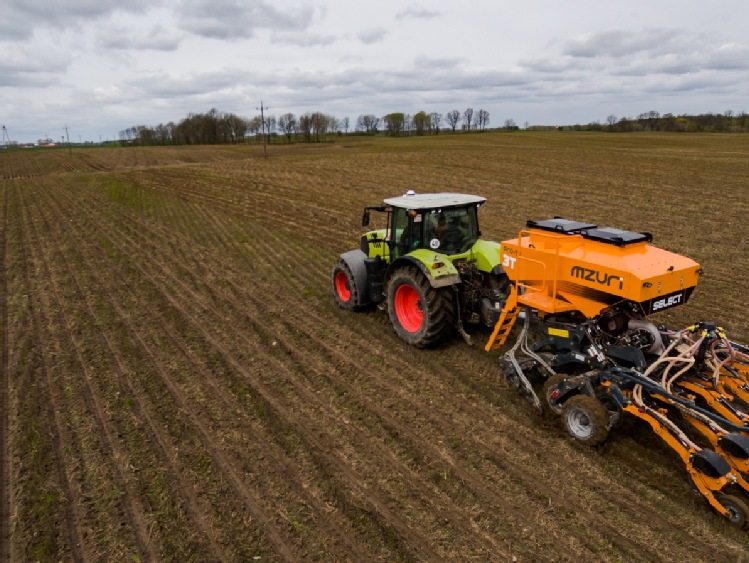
(151, 431)
(72, 530)
(318, 449)
(5, 468)
(332, 355)
(311, 333)
(184, 404)
(233, 200)
(531, 485)
(379, 411)
(257, 326)
(435, 454)
(623, 540)
(110, 452)
(251, 501)
(283, 461)
(280, 459)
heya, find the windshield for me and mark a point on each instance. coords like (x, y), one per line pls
(451, 231)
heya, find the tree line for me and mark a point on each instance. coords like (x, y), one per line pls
(216, 127)
(727, 122)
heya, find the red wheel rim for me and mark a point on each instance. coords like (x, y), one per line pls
(407, 304)
(342, 287)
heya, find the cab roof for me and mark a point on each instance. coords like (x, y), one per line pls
(412, 200)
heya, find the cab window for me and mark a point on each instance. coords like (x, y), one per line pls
(407, 230)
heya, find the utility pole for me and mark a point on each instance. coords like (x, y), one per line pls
(70, 151)
(262, 119)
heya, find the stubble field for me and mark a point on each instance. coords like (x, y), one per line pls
(178, 383)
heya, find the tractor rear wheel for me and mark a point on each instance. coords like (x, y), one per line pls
(344, 287)
(420, 314)
(586, 419)
(738, 513)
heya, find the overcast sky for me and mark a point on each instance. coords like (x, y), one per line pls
(100, 66)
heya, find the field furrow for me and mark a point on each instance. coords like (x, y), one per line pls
(199, 318)
(180, 385)
(5, 462)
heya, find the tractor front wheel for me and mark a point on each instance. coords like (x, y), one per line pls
(586, 419)
(344, 287)
(420, 314)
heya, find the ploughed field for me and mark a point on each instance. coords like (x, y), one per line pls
(178, 383)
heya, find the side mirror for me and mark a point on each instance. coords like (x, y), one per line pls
(365, 218)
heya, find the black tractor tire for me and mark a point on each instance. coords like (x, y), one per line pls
(420, 313)
(738, 512)
(549, 385)
(344, 286)
(585, 419)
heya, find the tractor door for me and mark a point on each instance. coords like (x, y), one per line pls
(407, 230)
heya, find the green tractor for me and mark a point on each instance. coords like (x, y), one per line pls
(427, 265)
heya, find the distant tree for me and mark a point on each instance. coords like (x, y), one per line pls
(144, 135)
(322, 124)
(526, 125)
(626, 124)
(611, 120)
(234, 127)
(305, 127)
(482, 119)
(468, 118)
(255, 126)
(742, 120)
(453, 118)
(163, 134)
(510, 124)
(394, 123)
(315, 126)
(422, 123)
(288, 125)
(368, 123)
(270, 124)
(344, 124)
(435, 119)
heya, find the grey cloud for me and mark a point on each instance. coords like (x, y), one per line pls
(19, 18)
(733, 56)
(232, 19)
(156, 38)
(20, 67)
(302, 39)
(650, 53)
(623, 43)
(415, 11)
(372, 35)
(441, 63)
(163, 85)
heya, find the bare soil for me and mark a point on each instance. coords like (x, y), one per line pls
(179, 384)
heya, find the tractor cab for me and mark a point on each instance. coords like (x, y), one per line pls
(444, 222)
(425, 260)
